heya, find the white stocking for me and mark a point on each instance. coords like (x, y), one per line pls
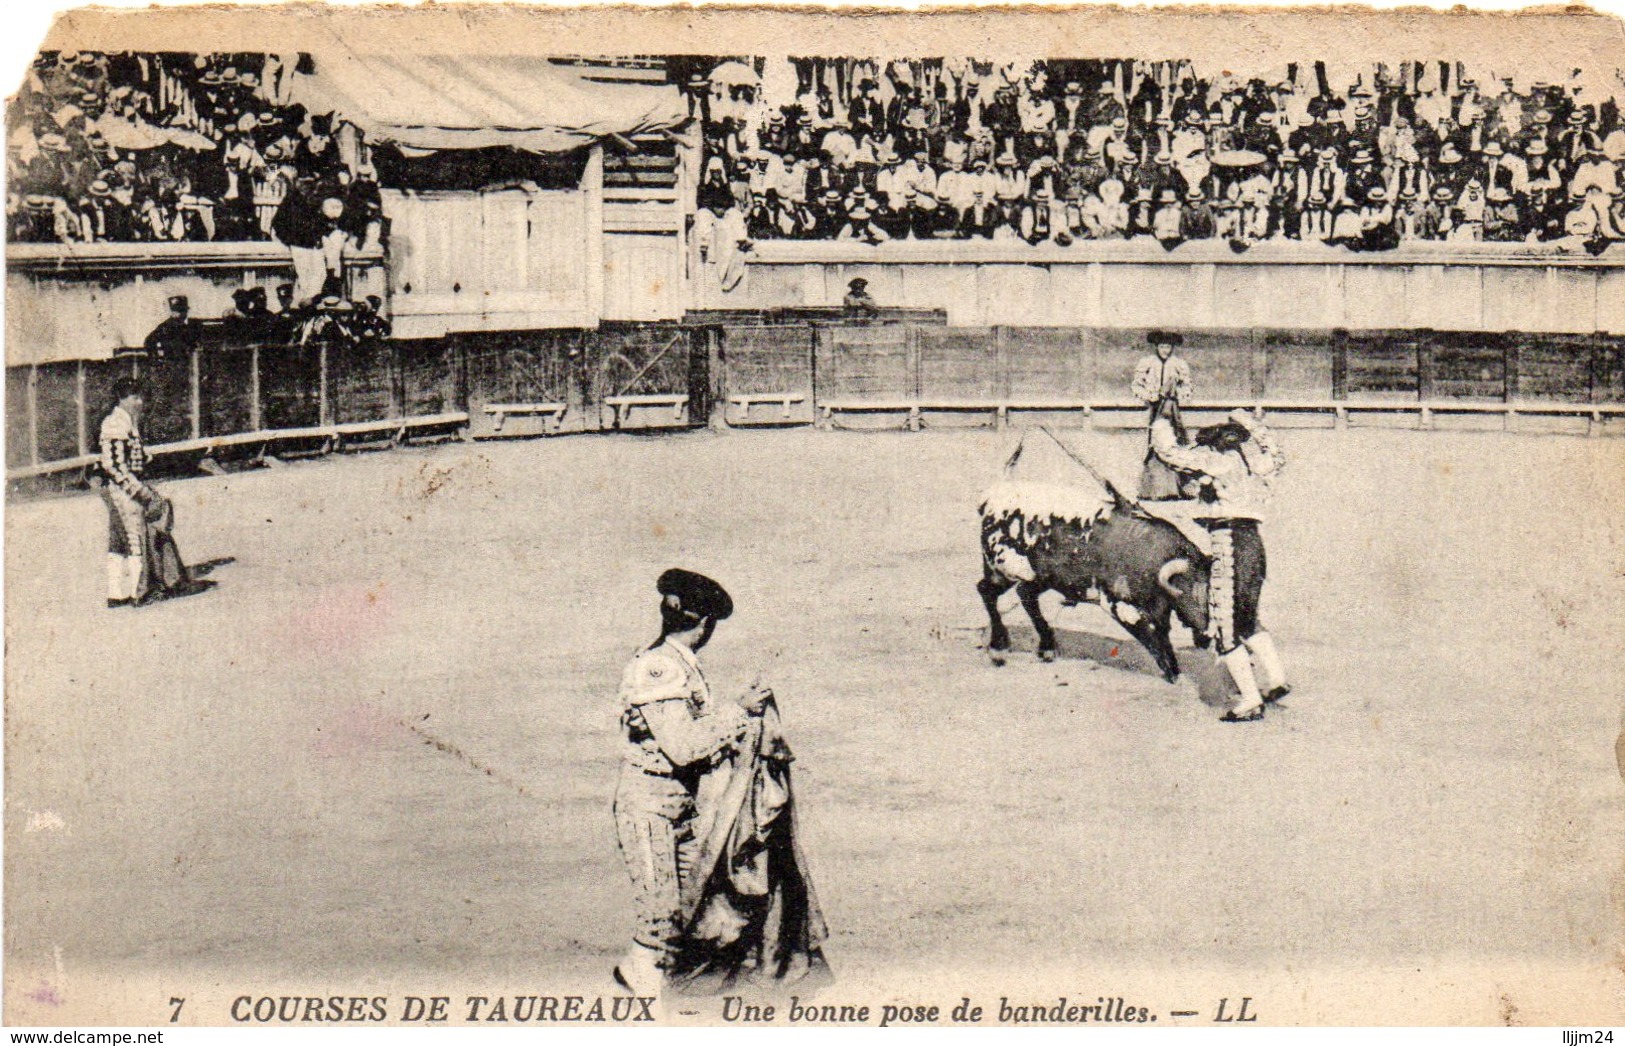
(1268, 661)
(116, 587)
(1241, 670)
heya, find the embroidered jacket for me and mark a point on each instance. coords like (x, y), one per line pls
(1154, 377)
(1240, 479)
(668, 716)
(123, 459)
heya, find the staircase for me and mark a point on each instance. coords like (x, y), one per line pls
(641, 187)
(642, 179)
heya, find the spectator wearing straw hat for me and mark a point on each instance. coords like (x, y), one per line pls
(1500, 169)
(1038, 222)
(981, 217)
(1501, 219)
(101, 217)
(861, 227)
(1376, 216)
(1541, 199)
(1436, 216)
(827, 215)
(1071, 118)
(1407, 214)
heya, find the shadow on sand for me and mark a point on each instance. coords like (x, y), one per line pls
(1196, 667)
(209, 566)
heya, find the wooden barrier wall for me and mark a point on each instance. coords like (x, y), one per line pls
(915, 370)
(1092, 365)
(233, 394)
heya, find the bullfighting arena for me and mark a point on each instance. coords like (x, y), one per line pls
(377, 755)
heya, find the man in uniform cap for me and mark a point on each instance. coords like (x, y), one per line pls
(176, 335)
(674, 732)
(248, 311)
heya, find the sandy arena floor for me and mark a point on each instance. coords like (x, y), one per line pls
(379, 754)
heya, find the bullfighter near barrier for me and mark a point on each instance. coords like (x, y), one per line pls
(758, 517)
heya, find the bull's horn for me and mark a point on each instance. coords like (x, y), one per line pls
(1170, 570)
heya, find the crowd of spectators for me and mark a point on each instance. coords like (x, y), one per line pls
(1067, 151)
(177, 147)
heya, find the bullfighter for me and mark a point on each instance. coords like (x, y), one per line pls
(674, 735)
(1235, 463)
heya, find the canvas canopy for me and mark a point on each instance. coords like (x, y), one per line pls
(424, 103)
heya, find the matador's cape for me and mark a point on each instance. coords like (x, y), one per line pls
(752, 917)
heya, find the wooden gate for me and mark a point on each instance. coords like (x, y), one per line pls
(768, 374)
(648, 377)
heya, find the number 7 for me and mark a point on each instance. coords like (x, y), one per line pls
(177, 1003)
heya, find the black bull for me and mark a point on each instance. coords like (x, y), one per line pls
(1141, 568)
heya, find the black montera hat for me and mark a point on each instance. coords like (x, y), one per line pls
(1226, 435)
(696, 594)
(1165, 338)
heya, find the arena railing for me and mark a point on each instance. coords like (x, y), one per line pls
(914, 375)
(258, 399)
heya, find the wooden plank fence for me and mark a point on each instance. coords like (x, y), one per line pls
(234, 397)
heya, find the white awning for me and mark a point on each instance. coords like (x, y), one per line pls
(425, 103)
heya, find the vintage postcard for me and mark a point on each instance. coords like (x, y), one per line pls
(1070, 517)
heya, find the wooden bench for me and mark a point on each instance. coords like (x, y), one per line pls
(554, 412)
(623, 404)
(1000, 409)
(746, 400)
(829, 408)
